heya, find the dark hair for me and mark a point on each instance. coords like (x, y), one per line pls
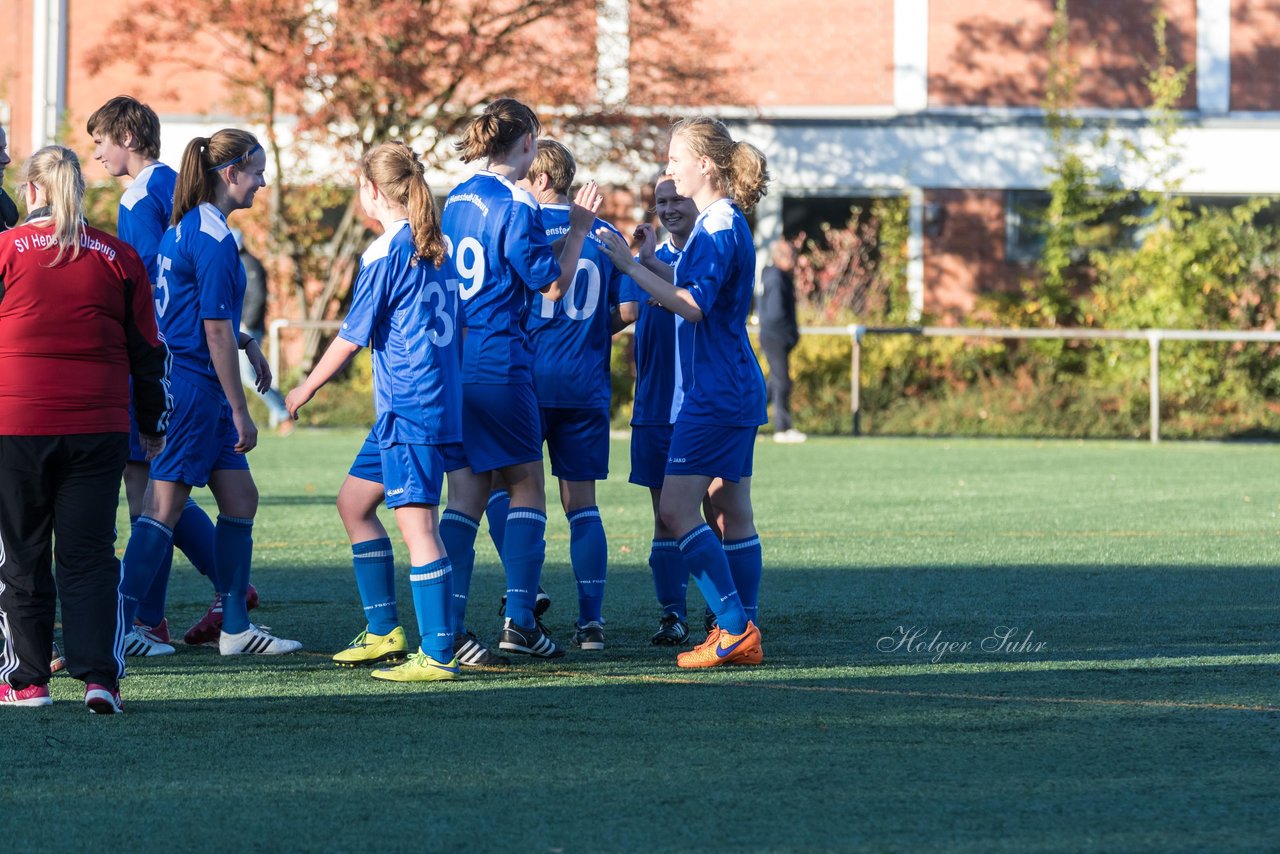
(556, 162)
(741, 170)
(124, 116)
(399, 174)
(497, 129)
(203, 159)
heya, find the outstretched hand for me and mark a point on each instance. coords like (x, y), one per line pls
(614, 246)
(585, 204)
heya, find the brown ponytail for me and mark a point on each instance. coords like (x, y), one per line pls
(497, 129)
(399, 175)
(202, 160)
(740, 169)
(56, 171)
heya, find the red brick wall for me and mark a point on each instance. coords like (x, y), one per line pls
(967, 257)
(993, 53)
(1255, 55)
(15, 76)
(818, 52)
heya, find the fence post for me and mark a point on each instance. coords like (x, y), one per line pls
(855, 377)
(273, 339)
(1153, 340)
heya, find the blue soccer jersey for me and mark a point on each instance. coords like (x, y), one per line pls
(407, 315)
(199, 277)
(145, 209)
(723, 384)
(502, 256)
(571, 338)
(659, 335)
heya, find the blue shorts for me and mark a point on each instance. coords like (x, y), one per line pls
(711, 451)
(368, 462)
(201, 438)
(136, 454)
(412, 474)
(500, 425)
(649, 445)
(577, 442)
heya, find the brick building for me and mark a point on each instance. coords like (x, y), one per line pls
(934, 100)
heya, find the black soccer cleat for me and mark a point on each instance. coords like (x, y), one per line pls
(590, 636)
(471, 653)
(672, 631)
(532, 641)
(541, 605)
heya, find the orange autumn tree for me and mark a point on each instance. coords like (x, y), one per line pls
(346, 75)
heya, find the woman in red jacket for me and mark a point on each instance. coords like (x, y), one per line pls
(76, 322)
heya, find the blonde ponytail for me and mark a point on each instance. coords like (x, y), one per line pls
(56, 171)
(739, 168)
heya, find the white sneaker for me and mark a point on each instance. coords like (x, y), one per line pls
(789, 437)
(255, 640)
(140, 643)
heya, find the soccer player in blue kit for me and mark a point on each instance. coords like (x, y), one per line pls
(500, 250)
(572, 339)
(405, 309)
(199, 290)
(658, 397)
(724, 396)
(126, 140)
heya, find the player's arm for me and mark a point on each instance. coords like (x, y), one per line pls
(148, 363)
(676, 300)
(224, 355)
(623, 316)
(582, 215)
(648, 253)
(335, 358)
(257, 360)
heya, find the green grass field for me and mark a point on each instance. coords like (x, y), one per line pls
(1147, 720)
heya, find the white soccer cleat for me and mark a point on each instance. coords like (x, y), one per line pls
(790, 437)
(140, 643)
(256, 640)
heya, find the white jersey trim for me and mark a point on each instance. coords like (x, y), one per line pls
(138, 189)
(381, 247)
(213, 223)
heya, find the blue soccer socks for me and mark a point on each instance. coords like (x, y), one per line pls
(707, 563)
(194, 537)
(746, 565)
(589, 554)
(374, 564)
(496, 514)
(524, 548)
(233, 544)
(148, 545)
(432, 588)
(458, 533)
(670, 578)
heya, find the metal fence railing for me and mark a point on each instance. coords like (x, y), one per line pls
(1153, 337)
(856, 333)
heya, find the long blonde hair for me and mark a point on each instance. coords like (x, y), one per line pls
(56, 171)
(740, 169)
(399, 174)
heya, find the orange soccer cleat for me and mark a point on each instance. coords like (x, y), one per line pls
(720, 647)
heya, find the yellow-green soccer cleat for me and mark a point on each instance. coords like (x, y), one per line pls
(368, 649)
(419, 668)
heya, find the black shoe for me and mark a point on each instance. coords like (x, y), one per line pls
(672, 631)
(471, 653)
(590, 636)
(709, 621)
(532, 641)
(541, 605)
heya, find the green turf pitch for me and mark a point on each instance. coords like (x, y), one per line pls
(1132, 705)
